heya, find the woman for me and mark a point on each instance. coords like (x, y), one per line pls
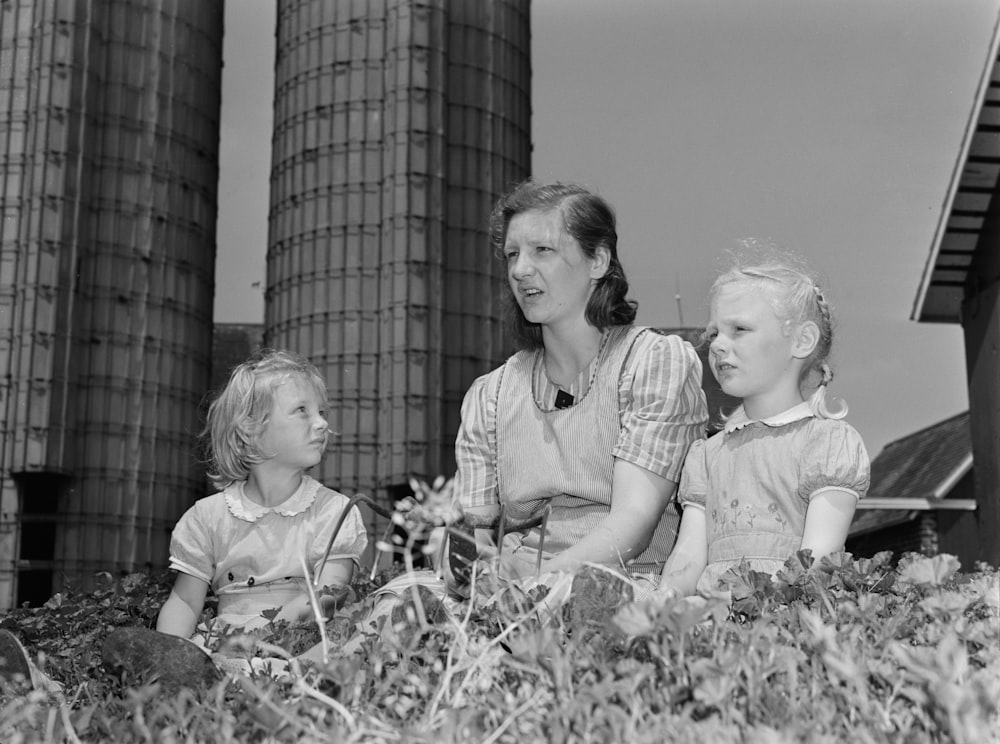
(594, 415)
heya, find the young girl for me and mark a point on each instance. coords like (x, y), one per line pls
(785, 473)
(266, 429)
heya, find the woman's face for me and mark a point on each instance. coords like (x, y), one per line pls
(549, 274)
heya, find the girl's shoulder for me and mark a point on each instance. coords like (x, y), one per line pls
(328, 498)
(215, 502)
(837, 434)
(820, 426)
(206, 511)
(825, 442)
(708, 446)
(325, 493)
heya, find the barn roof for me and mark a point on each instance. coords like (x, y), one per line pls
(915, 473)
(968, 207)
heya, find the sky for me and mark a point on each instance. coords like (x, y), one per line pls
(830, 128)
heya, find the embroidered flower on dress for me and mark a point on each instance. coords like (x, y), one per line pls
(773, 508)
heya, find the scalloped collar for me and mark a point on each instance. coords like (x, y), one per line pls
(739, 419)
(243, 508)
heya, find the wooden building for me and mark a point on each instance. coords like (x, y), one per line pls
(961, 284)
(921, 497)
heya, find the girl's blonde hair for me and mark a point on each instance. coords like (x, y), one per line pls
(795, 294)
(238, 416)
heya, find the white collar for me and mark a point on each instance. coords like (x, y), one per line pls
(243, 508)
(738, 419)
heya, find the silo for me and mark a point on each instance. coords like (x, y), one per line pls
(397, 125)
(109, 127)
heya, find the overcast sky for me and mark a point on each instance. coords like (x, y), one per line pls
(830, 128)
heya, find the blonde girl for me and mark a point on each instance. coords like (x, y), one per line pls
(266, 430)
(786, 471)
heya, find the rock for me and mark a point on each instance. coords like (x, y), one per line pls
(143, 656)
(14, 660)
(595, 598)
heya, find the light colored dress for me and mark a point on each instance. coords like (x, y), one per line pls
(755, 479)
(249, 554)
(640, 401)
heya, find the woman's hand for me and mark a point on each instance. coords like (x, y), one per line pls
(666, 591)
(300, 609)
(336, 576)
(689, 557)
(638, 500)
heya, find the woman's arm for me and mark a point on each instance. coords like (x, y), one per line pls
(484, 536)
(475, 484)
(828, 519)
(179, 614)
(689, 557)
(638, 499)
(662, 409)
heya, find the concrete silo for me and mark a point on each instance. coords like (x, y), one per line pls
(397, 124)
(109, 127)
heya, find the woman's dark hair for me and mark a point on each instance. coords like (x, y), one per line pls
(591, 221)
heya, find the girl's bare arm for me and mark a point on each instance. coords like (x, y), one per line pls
(179, 614)
(828, 520)
(689, 557)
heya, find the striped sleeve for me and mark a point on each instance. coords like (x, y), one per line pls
(662, 405)
(475, 447)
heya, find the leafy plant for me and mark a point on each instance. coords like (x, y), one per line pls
(845, 650)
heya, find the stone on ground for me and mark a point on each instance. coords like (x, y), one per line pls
(143, 656)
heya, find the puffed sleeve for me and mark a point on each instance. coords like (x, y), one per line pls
(352, 537)
(834, 458)
(191, 545)
(693, 488)
(663, 405)
(475, 446)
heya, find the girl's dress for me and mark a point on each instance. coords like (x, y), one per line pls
(250, 554)
(755, 479)
(640, 401)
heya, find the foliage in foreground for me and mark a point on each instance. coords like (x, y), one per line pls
(848, 651)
